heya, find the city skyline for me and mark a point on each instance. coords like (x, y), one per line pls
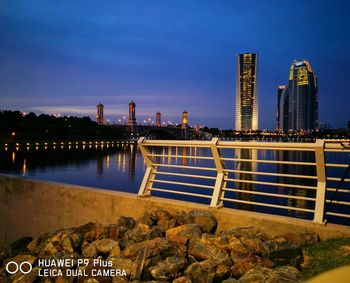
(59, 58)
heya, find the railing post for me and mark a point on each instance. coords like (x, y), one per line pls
(149, 170)
(321, 182)
(220, 177)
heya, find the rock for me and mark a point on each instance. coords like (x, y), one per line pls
(175, 249)
(201, 272)
(230, 280)
(206, 220)
(5, 252)
(20, 258)
(20, 245)
(183, 233)
(225, 242)
(202, 251)
(183, 279)
(155, 233)
(37, 244)
(91, 231)
(140, 232)
(105, 246)
(251, 238)
(138, 264)
(301, 239)
(282, 253)
(88, 250)
(122, 264)
(25, 278)
(125, 224)
(153, 247)
(169, 268)
(244, 263)
(285, 274)
(164, 219)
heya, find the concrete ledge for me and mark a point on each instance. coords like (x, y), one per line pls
(30, 208)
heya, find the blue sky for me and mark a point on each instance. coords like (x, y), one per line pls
(168, 56)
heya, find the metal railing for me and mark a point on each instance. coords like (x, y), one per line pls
(227, 173)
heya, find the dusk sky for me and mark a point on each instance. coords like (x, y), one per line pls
(169, 56)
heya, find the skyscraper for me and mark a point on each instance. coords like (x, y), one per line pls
(299, 102)
(246, 92)
(99, 115)
(282, 108)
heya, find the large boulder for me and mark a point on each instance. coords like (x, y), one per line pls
(140, 232)
(168, 268)
(201, 251)
(152, 247)
(206, 220)
(201, 272)
(285, 274)
(229, 243)
(241, 266)
(282, 253)
(183, 233)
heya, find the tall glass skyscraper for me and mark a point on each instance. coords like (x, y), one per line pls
(299, 101)
(246, 92)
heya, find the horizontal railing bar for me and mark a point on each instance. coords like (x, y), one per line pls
(267, 148)
(338, 202)
(181, 183)
(268, 194)
(338, 214)
(338, 190)
(337, 165)
(271, 174)
(269, 161)
(268, 205)
(185, 167)
(337, 179)
(186, 175)
(178, 192)
(271, 184)
(180, 156)
(287, 145)
(177, 143)
(337, 150)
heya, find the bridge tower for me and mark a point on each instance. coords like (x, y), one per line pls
(158, 119)
(185, 133)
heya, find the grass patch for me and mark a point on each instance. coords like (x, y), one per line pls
(325, 255)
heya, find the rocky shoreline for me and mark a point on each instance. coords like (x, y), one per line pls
(161, 246)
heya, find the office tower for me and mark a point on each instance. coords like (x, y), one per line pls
(246, 92)
(158, 119)
(299, 101)
(282, 108)
(99, 115)
(132, 115)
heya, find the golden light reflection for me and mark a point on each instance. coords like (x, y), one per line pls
(13, 157)
(108, 160)
(24, 167)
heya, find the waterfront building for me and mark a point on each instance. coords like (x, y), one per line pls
(99, 115)
(158, 119)
(132, 114)
(300, 99)
(246, 92)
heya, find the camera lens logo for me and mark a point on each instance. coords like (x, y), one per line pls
(25, 267)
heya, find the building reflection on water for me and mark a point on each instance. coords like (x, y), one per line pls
(250, 166)
(296, 156)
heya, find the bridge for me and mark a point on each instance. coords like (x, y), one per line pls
(312, 185)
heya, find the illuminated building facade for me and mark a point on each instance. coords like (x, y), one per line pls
(185, 134)
(246, 92)
(299, 101)
(99, 115)
(158, 119)
(132, 114)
